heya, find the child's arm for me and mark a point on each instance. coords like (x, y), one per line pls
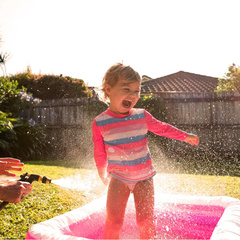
(100, 155)
(166, 130)
(192, 139)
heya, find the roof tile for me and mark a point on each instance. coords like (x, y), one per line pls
(180, 82)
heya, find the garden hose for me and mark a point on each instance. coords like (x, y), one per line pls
(28, 178)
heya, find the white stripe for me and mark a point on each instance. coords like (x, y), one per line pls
(141, 129)
(129, 157)
(103, 116)
(137, 111)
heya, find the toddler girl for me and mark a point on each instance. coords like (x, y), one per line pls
(121, 153)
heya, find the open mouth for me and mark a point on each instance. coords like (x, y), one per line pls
(127, 103)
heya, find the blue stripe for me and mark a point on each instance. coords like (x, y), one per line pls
(130, 162)
(115, 120)
(126, 140)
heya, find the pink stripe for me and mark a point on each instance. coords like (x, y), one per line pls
(122, 124)
(129, 151)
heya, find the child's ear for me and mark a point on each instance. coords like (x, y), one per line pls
(108, 89)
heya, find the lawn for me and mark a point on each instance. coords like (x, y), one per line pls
(82, 185)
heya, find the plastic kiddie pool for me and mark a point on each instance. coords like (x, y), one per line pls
(177, 217)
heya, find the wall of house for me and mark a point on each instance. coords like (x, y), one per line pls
(215, 118)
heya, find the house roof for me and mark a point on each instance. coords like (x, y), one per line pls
(180, 82)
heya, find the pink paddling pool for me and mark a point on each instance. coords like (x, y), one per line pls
(177, 217)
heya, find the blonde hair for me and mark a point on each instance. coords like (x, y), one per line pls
(116, 72)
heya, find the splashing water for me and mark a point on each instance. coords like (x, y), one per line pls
(91, 184)
(88, 184)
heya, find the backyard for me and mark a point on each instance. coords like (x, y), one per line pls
(74, 186)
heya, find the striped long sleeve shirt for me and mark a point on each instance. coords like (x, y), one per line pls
(120, 143)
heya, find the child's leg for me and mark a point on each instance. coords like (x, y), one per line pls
(144, 203)
(117, 198)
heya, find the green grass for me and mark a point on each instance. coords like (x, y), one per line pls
(45, 200)
(49, 200)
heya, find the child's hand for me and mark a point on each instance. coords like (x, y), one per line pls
(192, 139)
(105, 180)
(103, 175)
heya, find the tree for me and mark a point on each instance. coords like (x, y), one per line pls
(3, 59)
(231, 80)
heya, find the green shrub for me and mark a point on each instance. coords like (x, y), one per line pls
(5, 122)
(26, 140)
(153, 106)
(51, 86)
(18, 137)
(10, 99)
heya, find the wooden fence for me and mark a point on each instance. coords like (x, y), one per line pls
(215, 118)
(68, 124)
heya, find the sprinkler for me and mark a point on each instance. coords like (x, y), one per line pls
(28, 178)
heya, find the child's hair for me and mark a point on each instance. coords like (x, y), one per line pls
(116, 72)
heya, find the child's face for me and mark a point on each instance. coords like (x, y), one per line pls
(123, 96)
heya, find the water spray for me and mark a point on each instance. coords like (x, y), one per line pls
(29, 178)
